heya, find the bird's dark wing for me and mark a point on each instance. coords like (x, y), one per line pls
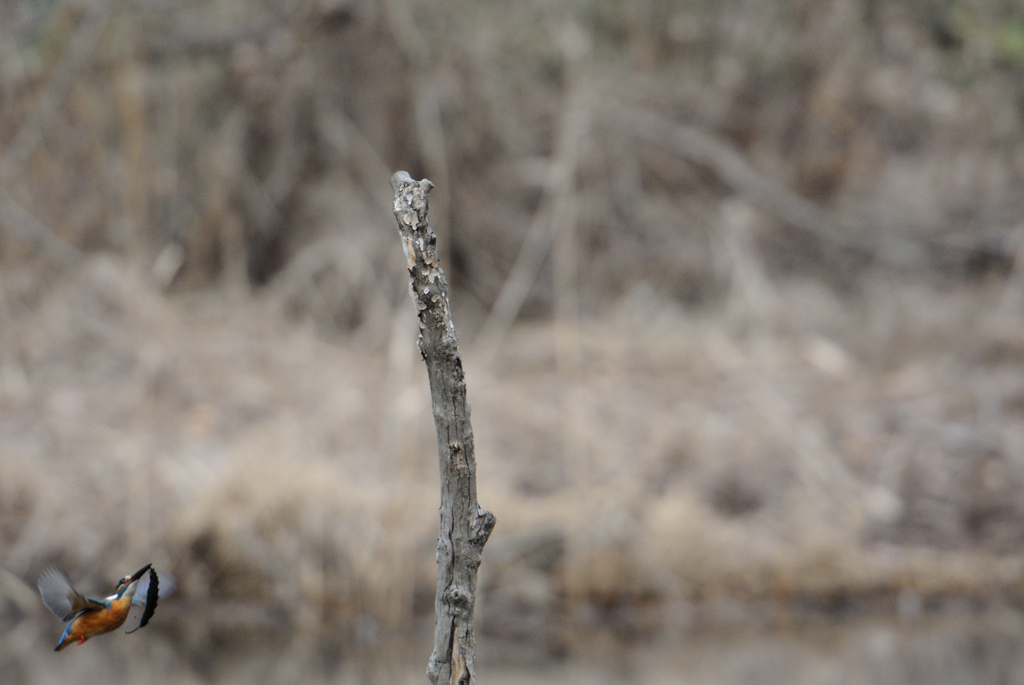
(61, 598)
(152, 596)
(168, 584)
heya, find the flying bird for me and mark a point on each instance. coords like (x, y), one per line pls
(89, 617)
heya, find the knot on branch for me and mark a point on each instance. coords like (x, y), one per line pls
(457, 597)
(457, 455)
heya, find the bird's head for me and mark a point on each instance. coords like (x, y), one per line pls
(129, 583)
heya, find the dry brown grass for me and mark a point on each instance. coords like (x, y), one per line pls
(815, 460)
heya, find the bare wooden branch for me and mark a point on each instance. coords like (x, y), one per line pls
(465, 527)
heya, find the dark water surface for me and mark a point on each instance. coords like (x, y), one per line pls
(951, 649)
(934, 650)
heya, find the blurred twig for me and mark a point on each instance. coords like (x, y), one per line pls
(363, 159)
(565, 212)
(749, 281)
(705, 150)
(29, 229)
(554, 214)
(15, 217)
(465, 527)
(49, 100)
(427, 96)
(430, 132)
(887, 241)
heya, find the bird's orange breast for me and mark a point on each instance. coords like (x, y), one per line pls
(103, 621)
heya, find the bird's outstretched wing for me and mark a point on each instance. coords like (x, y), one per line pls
(167, 585)
(60, 597)
(152, 595)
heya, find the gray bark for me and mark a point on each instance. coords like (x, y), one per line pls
(465, 527)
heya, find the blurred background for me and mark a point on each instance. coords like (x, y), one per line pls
(738, 286)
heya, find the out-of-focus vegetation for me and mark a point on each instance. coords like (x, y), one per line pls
(207, 354)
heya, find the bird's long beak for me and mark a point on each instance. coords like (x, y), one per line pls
(141, 572)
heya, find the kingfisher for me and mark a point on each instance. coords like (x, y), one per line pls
(91, 617)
